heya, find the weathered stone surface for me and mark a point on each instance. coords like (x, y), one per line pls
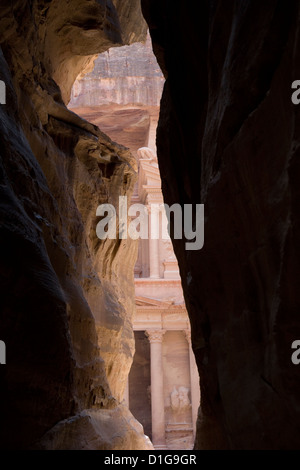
(228, 137)
(66, 297)
(90, 430)
(128, 125)
(124, 75)
(231, 141)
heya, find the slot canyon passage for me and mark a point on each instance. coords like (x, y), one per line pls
(228, 138)
(122, 96)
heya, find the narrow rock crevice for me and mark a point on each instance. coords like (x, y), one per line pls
(228, 137)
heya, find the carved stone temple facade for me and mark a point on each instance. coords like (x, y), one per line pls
(163, 388)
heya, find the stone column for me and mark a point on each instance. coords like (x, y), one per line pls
(153, 242)
(157, 389)
(152, 134)
(195, 386)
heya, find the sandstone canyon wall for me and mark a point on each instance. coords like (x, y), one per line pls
(66, 297)
(123, 75)
(122, 95)
(229, 138)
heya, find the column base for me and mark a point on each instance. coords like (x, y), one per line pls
(160, 447)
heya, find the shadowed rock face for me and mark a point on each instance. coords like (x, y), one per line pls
(66, 297)
(229, 138)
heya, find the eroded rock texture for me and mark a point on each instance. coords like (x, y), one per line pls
(229, 137)
(66, 297)
(123, 75)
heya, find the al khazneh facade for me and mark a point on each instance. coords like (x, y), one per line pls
(163, 390)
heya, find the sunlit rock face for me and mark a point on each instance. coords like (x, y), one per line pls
(229, 138)
(122, 95)
(66, 297)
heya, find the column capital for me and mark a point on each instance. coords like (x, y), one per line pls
(155, 336)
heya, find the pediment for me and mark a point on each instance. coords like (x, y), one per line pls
(150, 302)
